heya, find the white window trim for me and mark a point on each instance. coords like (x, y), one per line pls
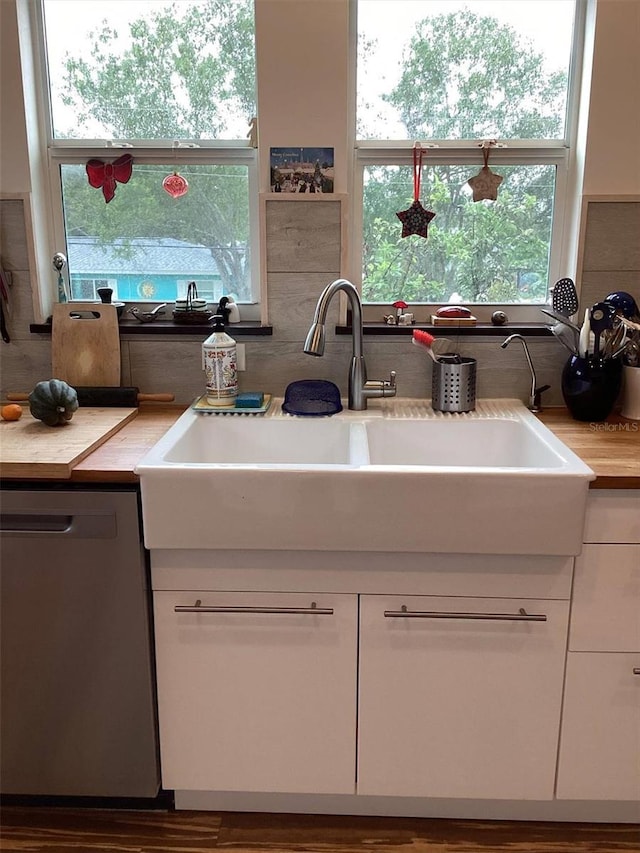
(48, 154)
(560, 152)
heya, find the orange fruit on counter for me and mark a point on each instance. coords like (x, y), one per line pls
(12, 412)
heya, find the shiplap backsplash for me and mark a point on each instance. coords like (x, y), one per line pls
(303, 255)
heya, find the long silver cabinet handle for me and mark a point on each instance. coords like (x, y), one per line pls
(198, 607)
(520, 616)
(636, 670)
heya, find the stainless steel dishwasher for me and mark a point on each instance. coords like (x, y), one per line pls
(78, 713)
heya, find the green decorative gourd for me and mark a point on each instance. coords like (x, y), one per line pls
(53, 402)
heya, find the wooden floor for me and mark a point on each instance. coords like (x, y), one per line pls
(63, 830)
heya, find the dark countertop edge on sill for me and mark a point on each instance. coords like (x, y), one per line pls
(253, 328)
(247, 328)
(480, 330)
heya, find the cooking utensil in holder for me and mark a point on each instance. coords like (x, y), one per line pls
(453, 384)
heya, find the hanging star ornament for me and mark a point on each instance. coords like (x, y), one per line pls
(415, 220)
(485, 184)
(104, 176)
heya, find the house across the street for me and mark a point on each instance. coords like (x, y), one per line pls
(141, 269)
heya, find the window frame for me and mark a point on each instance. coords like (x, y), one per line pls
(559, 152)
(174, 154)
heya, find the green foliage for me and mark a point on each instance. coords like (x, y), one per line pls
(484, 251)
(214, 214)
(161, 87)
(466, 76)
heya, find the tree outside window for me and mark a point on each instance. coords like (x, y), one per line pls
(464, 75)
(171, 77)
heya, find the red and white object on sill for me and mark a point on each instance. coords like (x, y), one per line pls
(453, 315)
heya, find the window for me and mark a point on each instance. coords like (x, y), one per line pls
(453, 76)
(172, 84)
(87, 288)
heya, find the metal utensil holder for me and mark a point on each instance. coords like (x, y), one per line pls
(453, 384)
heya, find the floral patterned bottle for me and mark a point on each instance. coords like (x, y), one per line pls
(219, 364)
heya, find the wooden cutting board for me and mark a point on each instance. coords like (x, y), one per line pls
(85, 343)
(30, 449)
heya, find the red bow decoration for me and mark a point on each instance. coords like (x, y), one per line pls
(104, 175)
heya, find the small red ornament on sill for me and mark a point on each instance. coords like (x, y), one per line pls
(175, 185)
(415, 220)
(104, 176)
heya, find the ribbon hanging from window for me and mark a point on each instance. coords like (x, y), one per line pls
(104, 176)
(415, 220)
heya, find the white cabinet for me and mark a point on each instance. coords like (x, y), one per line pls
(605, 615)
(456, 699)
(353, 701)
(600, 743)
(254, 696)
(600, 746)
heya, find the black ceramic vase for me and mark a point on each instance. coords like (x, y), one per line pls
(590, 386)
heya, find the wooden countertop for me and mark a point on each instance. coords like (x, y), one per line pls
(114, 461)
(611, 449)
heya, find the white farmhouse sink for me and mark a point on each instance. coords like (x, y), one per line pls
(473, 443)
(398, 477)
(255, 441)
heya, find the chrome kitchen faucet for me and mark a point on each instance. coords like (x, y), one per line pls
(360, 390)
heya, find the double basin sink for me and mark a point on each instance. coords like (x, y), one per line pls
(395, 478)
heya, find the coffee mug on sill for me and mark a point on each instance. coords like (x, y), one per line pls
(590, 386)
(631, 393)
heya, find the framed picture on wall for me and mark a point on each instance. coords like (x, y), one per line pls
(301, 170)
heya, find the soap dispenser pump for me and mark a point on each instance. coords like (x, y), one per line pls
(220, 366)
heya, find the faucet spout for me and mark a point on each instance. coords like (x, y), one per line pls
(359, 389)
(535, 394)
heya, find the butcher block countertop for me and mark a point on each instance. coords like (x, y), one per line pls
(611, 449)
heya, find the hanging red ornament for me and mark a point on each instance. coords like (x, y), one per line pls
(104, 176)
(415, 220)
(175, 185)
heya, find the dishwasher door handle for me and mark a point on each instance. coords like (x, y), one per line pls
(75, 526)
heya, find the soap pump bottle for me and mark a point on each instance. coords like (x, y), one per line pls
(220, 366)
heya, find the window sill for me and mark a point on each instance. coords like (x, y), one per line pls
(248, 328)
(479, 330)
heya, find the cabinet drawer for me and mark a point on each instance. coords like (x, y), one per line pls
(452, 706)
(250, 700)
(605, 614)
(600, 742)
(613, 516)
